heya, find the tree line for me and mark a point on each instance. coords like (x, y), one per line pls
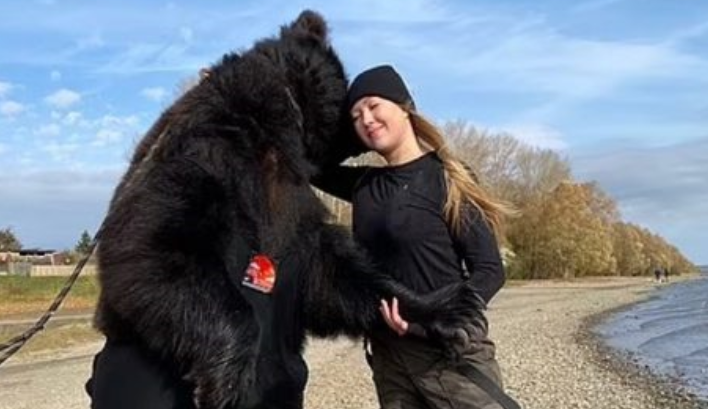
(9, 242)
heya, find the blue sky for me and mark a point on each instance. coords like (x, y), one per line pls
(618, 86)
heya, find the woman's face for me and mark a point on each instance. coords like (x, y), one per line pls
(381, 124)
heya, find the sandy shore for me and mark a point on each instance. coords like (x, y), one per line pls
(548, 357)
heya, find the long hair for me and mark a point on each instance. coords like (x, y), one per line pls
(463, 186)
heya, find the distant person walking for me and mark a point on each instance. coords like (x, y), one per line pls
(657, 274)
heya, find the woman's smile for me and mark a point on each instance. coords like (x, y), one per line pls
(374, 132)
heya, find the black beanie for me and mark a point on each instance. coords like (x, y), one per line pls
(382, 81)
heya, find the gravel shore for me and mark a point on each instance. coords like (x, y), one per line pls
(549, 358)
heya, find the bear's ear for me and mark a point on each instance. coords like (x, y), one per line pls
(310, 22)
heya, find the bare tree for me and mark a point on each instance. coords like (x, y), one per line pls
(515, 171)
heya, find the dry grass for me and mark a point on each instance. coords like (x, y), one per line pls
(53, 338)
(19, 295)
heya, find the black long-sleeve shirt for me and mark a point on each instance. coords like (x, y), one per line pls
(398, 217)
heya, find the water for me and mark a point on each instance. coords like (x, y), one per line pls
(668, 333)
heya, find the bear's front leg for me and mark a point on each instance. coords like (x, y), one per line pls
(344, 290)
(165, 283)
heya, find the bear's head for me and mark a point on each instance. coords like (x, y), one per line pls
(318, 85)
(293, 86)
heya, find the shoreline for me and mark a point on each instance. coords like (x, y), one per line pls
(666, 391)
(551, 357)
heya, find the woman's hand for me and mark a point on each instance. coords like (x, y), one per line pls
(392, 317)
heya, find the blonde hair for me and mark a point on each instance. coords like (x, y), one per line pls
(462, 184)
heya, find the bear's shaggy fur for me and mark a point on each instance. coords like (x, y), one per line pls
(222, 175)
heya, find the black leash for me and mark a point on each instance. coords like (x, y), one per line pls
(10, 347)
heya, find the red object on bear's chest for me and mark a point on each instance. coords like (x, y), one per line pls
(260, 274)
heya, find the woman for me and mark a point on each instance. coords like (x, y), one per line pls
(425, 219)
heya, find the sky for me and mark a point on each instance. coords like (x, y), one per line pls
(619, 87)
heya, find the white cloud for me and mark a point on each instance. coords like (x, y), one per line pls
(65, 180)
(154, 57)
(118, 121)
(391, 11)
(542, 136)
(689, 33)
(593, 5)
(187, 34)
(107, 136)
(521, 52)
(5, 88)
(11, 109)
(112, 129)
(60, 152)
(72, 118)
(55, 75)
(51, 206)
(547, 62)
(553, 72)
(48, 130)
(90, 42)
(63, 98)
(663, 187)
(156, 94)
(73, 139)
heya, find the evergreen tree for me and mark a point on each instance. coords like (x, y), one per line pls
(84, 245)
